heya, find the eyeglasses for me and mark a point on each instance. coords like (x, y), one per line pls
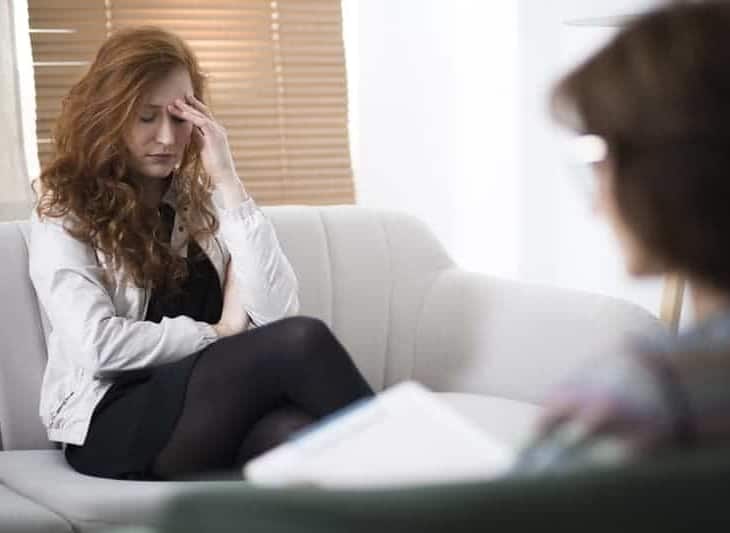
(588, 149)
(582, 151)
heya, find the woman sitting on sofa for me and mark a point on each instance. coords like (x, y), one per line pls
(153, 265)
(651, 108)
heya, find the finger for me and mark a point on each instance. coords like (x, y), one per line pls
(187, 107)
(181, 104)
(199, 135)
(551, 420)
(209, 122)
(197, 104)
(189, 114)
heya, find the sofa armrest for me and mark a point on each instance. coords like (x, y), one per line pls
(515, 340)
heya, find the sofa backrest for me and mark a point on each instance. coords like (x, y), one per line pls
(22, 344)
(364, 272)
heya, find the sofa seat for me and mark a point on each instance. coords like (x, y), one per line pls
(89, 504)
(18, 514)
(510, 422)
(92, 504)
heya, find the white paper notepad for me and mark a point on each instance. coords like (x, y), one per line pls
(404, 436)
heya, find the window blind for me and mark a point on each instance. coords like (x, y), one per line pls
(276, 81)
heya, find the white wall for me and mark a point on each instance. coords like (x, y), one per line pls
(448, 114)
(14, 189)
(433, 102)
(26, 86)
(563, 244)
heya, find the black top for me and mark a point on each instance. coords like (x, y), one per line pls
(200, 296)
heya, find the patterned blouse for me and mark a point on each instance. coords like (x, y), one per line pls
(663, 394)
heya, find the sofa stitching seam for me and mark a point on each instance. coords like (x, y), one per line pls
(331, 269)
(43, 506)
(389, 247)
(419, 320)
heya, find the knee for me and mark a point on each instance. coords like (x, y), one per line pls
(307, 335)
(283, 422)
(306, 329)
(271, 430)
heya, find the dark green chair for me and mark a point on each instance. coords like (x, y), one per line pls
(679, 492)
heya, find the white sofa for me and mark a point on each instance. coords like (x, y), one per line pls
(392, 295)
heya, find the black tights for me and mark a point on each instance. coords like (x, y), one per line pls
(248, 392)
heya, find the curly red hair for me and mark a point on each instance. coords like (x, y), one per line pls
(88, 176)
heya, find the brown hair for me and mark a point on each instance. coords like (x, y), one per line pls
(87, 177)
(659, 95)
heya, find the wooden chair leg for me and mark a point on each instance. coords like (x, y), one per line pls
(672, 296)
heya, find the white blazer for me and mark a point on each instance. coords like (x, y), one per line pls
(96, 322)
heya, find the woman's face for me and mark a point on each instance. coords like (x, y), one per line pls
(156, 140)
(639, 260)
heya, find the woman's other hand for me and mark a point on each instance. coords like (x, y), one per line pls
(233, 317)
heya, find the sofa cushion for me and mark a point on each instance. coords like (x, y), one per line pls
(365, 273)
(89, 503)
(21, 515)
(22, 345)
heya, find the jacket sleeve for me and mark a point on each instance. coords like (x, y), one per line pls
(266, 281)
(71, 288)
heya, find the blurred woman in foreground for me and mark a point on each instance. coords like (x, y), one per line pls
(652, 110)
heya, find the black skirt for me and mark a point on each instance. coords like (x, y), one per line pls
(137, 415)
(133, 422)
